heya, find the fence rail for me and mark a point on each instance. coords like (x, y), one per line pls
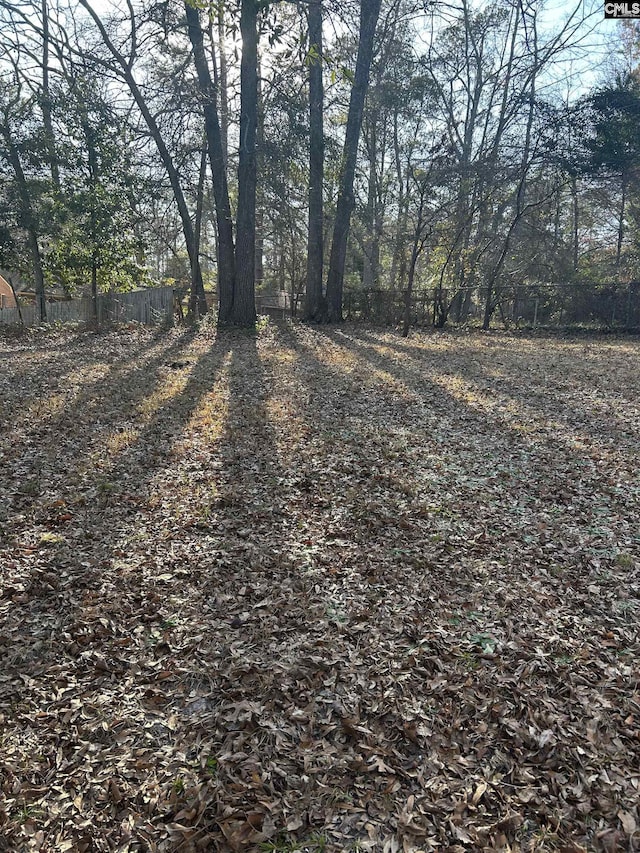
(614, 305)
(151, 306)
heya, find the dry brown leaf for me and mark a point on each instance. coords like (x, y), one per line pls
(628, 822)
(270, 609)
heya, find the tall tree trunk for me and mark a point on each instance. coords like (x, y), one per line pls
(519, 201)
(197, 227)
(406, 322)
(47, 120)
(92, 176)
(369, 11)
(244, 303)
(217, 159)
(369, 269)
(575, 211)
(126, 72)
(314, 308)
(202, 174)
(259, 191)
(621, 214)
(420, 236)
(468, 295)
(282, 261)
(223, 87)
(398, 241)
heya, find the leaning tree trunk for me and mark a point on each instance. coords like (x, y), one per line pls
(244, 303)
(369, 11)
(126, 72)
(314, 309)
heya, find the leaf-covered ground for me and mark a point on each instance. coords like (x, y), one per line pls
(319, 590)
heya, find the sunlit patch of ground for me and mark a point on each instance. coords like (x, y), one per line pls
(319, 589)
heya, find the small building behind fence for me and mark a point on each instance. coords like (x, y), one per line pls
(7, 299)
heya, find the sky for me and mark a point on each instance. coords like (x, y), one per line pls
(600, 34)
(588, 70)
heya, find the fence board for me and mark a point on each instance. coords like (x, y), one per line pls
(140, 306)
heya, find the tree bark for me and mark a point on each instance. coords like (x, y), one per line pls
(92, 176)
(575, 223)
(369, 11)
(202, 174)
(314, 308)
(370, 268)
(223, 88)
(217, 159)
(259, 189)
(406, 322)
(420, 236)
(620, 238)
(244, 303)
(47, 120)
(401, 219)
(519, 201)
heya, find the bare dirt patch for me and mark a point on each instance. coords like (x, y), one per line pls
(319, 590)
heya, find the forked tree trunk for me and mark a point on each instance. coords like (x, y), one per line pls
(217, 159)
(369, 11)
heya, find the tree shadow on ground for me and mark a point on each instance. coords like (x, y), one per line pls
(54, 437)
(274, 632)
(83, 596)
(498, 408)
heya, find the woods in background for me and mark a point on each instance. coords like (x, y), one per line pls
(351, 153)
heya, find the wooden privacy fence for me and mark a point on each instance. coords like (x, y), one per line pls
(151, 306)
